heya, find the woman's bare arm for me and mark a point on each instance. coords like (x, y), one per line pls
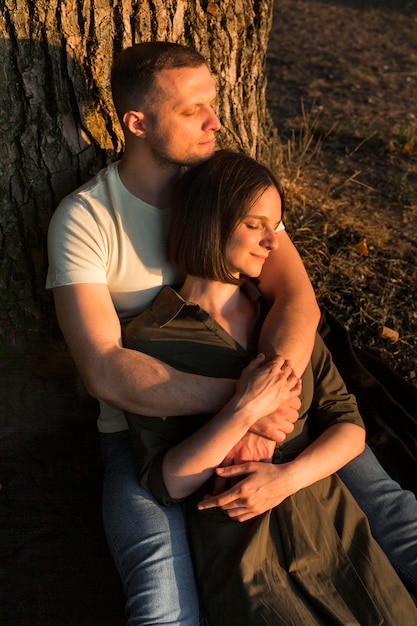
(190, 463)
(265, 485)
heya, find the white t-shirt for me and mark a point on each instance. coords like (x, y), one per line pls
(101, 233)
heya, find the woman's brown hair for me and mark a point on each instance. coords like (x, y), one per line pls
(208, 202)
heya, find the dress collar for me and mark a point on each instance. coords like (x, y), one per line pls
(168, 304)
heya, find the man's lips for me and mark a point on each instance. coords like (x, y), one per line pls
(207, 142)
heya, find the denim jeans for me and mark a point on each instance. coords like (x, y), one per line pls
(148, 543)
(391, 511)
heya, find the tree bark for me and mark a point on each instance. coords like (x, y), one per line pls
(58, 126)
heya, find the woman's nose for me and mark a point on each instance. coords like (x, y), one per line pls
(270, 241)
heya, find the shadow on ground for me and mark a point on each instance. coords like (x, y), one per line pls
(55, 568)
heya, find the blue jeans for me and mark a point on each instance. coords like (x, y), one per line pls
(391, 511)
(148, 543)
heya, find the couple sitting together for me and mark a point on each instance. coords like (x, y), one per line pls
(234, 453)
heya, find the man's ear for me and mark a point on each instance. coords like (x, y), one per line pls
(134, 122)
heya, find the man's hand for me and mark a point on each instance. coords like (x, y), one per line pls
(250, 448)
(264, 486)
(278, 424)
(259, 443)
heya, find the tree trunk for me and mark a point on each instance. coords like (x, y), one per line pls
(57, 122)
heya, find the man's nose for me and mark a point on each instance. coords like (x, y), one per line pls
(212, 122)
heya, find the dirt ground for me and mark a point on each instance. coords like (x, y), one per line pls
(342, 90)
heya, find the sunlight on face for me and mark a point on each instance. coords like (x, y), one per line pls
(182, 129)
(255, 236)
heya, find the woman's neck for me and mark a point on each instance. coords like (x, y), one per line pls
(213, 296)
(225, 302)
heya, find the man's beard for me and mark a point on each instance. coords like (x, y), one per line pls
(164, 160)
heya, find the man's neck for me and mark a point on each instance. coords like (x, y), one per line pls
(145, 180)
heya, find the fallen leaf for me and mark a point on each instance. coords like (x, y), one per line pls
(361, 247)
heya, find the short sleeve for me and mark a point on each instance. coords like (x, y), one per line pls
(332, 403)
(76, 249)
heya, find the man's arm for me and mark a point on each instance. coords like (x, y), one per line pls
(126, 378)
(290, 326)
(289, 330)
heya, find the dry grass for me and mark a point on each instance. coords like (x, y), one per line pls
(361, 272)
(342, 83)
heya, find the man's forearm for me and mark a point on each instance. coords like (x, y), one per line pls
(291, 324)
(127, 379)
(138, 383)
(287, 333)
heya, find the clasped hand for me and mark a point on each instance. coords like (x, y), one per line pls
(251, 457)
(265, 385)
(264, 486)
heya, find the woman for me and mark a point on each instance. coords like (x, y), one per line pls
(302, 552)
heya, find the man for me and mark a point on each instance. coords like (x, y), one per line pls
(107, 261)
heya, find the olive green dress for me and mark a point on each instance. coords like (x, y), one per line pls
(309, 561)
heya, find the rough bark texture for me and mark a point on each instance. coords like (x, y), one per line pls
(57, 124)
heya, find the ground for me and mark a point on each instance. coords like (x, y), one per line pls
(342, 90)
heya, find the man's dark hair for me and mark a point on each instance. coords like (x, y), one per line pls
(208, 202)
(133, 71)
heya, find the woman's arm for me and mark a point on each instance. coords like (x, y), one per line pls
(339, 436)
(292, 321)
(265, 485)
(190, 463)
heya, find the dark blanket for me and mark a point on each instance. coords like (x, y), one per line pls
(55, 568)
(388, 403)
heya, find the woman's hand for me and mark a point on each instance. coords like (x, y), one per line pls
(265, 387)
(264, 485)
(189, 464)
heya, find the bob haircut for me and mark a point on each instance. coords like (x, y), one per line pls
(208, 202)
(133, 71)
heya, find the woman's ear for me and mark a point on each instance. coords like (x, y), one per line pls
(134, 123)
